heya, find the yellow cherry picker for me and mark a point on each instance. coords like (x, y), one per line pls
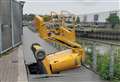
(61, 34)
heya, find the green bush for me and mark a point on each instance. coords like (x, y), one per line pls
(103, 62)
(89, 59)
(117, 66)
(103, 66)
(117, 71)
(113, 19)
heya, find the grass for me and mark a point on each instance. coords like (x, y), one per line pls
(4, 54)
(8, 52)
(114, 80)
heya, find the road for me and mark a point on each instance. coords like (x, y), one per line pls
(75, 75)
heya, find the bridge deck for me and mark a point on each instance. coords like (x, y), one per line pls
(78, 75)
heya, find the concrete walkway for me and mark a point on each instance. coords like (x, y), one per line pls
(12, 67)
(29, 38)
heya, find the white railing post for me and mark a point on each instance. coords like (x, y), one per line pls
(111, 65)
(0, 39)
(94, 56)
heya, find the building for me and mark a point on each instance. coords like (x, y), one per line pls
(97, 17)
(10, 24)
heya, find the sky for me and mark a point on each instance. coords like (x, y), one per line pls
(75, 6)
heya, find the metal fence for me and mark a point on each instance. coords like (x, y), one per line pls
(103, 57)
(16, 22)
(10, 24)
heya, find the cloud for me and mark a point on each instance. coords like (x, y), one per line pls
(75, 6)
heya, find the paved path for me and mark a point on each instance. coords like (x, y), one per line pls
(9, 67)
(76, 75)
(29, 38)
(12, 68)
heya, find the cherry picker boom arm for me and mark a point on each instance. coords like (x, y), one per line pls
(65, 36)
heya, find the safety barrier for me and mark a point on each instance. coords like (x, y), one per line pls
(10, 24)
(103, 57)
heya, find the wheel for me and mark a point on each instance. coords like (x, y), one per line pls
(40, 55)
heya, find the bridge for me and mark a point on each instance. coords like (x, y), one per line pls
(81, 74)
(14, 66)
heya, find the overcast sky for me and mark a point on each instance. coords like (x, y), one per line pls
(74, 6)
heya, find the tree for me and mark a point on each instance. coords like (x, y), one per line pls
(78, 20)
(46, 18)
(29, 17)
(113, 19)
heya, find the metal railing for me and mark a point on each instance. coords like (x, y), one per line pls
(102, 57)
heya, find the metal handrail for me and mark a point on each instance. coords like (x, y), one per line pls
(103, 42)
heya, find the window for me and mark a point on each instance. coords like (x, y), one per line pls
(85, 18)
(113, 13)
(96, 17)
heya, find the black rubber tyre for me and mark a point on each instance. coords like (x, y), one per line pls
(40, 55)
